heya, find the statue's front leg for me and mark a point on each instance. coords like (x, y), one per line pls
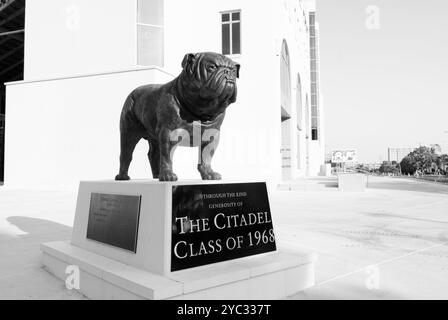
(207, 150)
(166, 147)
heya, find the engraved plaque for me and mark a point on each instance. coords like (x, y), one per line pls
(113, 220)
(219, 222)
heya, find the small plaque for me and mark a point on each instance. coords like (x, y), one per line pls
(113, 219)
(218, 222)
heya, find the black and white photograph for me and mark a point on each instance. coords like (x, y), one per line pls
(238, 151)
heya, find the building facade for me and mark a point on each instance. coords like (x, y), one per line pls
(2, 148)
(397, 154)
(12, 17)
(82, 61)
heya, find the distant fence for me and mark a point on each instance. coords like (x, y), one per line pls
(433, 178)
(357, 170)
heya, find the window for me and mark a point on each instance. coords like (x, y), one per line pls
(231, 32)
(150, 25)
(314, 67)
(299, 103)
(314, 134)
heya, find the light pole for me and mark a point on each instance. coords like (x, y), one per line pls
(446, 132)
(399, 164)
(446, 150)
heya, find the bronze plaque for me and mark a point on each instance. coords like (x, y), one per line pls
(113, 219)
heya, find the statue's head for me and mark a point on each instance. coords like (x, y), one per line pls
(210, 79)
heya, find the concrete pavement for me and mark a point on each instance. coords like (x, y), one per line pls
(390, 242)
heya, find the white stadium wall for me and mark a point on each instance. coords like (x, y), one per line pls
(72, 37)
(251, 130)
(292, 26)
(259, 84)
(64, 130)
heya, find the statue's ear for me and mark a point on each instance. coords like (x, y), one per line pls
(188, 59)
(237, 70)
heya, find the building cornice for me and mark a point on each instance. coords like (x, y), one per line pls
(89, 75)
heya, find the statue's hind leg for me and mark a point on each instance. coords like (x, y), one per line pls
(154, 158)
(129, 137)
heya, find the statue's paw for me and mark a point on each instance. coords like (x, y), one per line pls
(167, 176)
(122, 177)
(210, 175)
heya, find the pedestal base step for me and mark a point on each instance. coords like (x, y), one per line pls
(269, 276)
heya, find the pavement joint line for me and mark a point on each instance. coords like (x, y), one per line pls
(380, 263)
(423, 205)
(294, 244)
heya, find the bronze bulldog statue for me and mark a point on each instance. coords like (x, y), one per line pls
(194, 103)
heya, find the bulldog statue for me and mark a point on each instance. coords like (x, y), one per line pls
(164, 115)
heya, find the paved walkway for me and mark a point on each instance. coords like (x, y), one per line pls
(389, 242)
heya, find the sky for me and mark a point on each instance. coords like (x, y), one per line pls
(388, 86)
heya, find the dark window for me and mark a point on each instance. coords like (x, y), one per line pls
(314, 135)
(231, 32)
(226, 39)
(236, 38)
(312, 19)
(315, 126)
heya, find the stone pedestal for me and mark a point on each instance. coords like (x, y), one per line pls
(111, 267)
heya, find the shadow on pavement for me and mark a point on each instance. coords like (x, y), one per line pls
(391, 215)
(42, 230)
(20, 260)
(350, 288)
(329, 183)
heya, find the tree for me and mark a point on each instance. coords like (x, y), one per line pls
(443, 163)
(389, 167)
(408, 165)
(424, 159)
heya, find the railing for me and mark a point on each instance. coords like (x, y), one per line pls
(427, 177)
(356, 170)
(433, 178)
